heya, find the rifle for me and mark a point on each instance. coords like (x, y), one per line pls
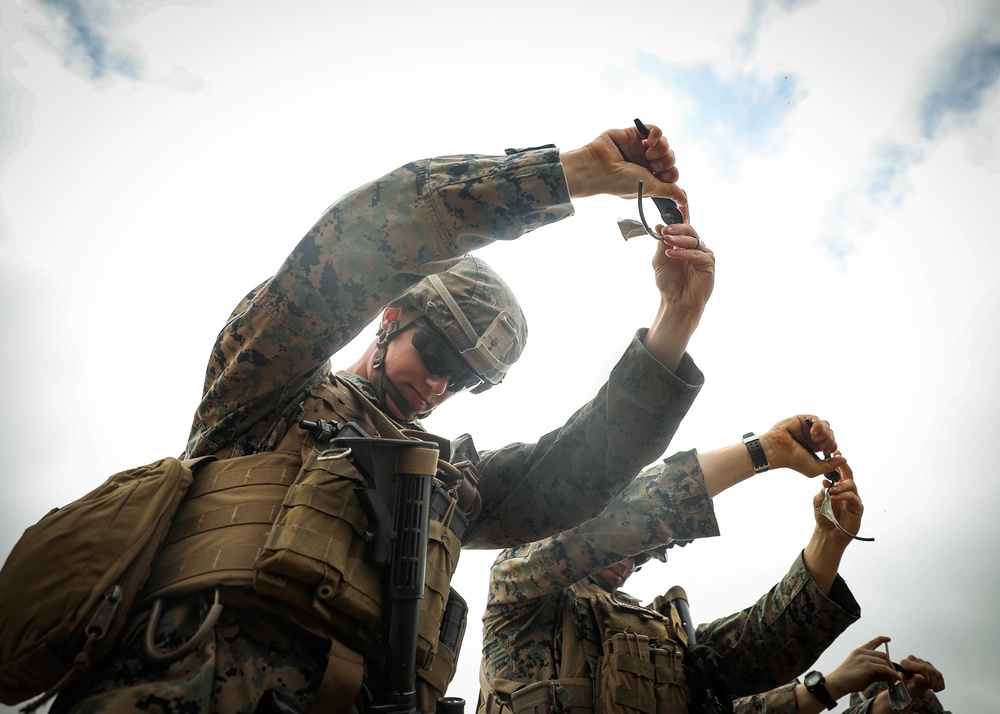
(703, 668)
(400, 475)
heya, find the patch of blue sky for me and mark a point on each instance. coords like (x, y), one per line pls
(90, 42)
(845, 216)
(962, 88)
(747, 109)
(836, 246)
(885, 184)
(746, 40)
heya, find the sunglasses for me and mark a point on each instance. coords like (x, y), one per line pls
(640, 560)
(441, 359)
(669, 214)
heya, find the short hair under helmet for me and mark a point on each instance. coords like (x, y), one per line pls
(476, 311)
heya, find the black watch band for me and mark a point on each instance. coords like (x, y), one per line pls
(816, 684)
(757, 454)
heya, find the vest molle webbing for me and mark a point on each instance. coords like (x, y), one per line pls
(289, 525)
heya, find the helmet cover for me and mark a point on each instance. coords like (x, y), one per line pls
(476, 311)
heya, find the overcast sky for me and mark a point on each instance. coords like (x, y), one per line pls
(842, 159)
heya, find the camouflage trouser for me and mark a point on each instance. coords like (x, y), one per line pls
(248, 654)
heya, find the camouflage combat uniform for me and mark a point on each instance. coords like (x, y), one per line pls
(766, 644)
(368, 248)
(782, 701)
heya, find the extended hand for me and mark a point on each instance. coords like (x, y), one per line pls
(684, 267)
(599, 167)
(846, 504)
(925, 676)
(792, 443)
(863, 666)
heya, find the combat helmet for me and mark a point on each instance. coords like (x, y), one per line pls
(476, 312)
(659, 552)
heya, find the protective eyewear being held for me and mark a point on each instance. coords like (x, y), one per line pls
(441, 359)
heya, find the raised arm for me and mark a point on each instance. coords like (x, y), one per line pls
(862, 668)
(669, 501)
(599, 167)
(921, 679)
(365, 250)
(665, 502)
(684, 267)
(790, 444)
(788, 628)
(823, 553)
(369, 247)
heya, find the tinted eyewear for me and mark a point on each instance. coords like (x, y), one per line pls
(669, 213)
(441, 359)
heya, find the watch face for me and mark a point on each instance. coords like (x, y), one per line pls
(812, 679)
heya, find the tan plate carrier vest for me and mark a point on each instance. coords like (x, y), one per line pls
(287, 525)
(617, 656)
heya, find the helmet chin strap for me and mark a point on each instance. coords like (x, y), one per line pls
(380, 380)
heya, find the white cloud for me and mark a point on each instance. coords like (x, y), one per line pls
(87, 33)
(969, 75)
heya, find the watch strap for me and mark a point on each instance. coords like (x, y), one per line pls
(816, 684)
(757, 454)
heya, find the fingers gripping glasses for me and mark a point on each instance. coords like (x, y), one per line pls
(899, 695)
(670, 213)
(631, 228)
(827, 507)
(827, 510)
(441, 359)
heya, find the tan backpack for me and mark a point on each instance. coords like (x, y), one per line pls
(68, 585)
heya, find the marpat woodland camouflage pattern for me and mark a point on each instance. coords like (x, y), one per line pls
(765, 645)
(365, 251)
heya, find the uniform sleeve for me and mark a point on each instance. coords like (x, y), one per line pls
(780, 700)
(533, 490)
(783, 634)
(364, 251)
(862, 708)
(861, 702)
(666, 502)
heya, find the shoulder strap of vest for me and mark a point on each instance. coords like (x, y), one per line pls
(606, 614)
(581, 625)
(664, 604)
(462, 483)
(384, 425)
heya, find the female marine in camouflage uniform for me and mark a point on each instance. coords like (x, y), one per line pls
(269, 369)
(554, 604)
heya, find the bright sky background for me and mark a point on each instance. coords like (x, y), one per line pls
(842, 158)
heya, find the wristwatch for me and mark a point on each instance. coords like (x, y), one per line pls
(816, 684)
(757, 454)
